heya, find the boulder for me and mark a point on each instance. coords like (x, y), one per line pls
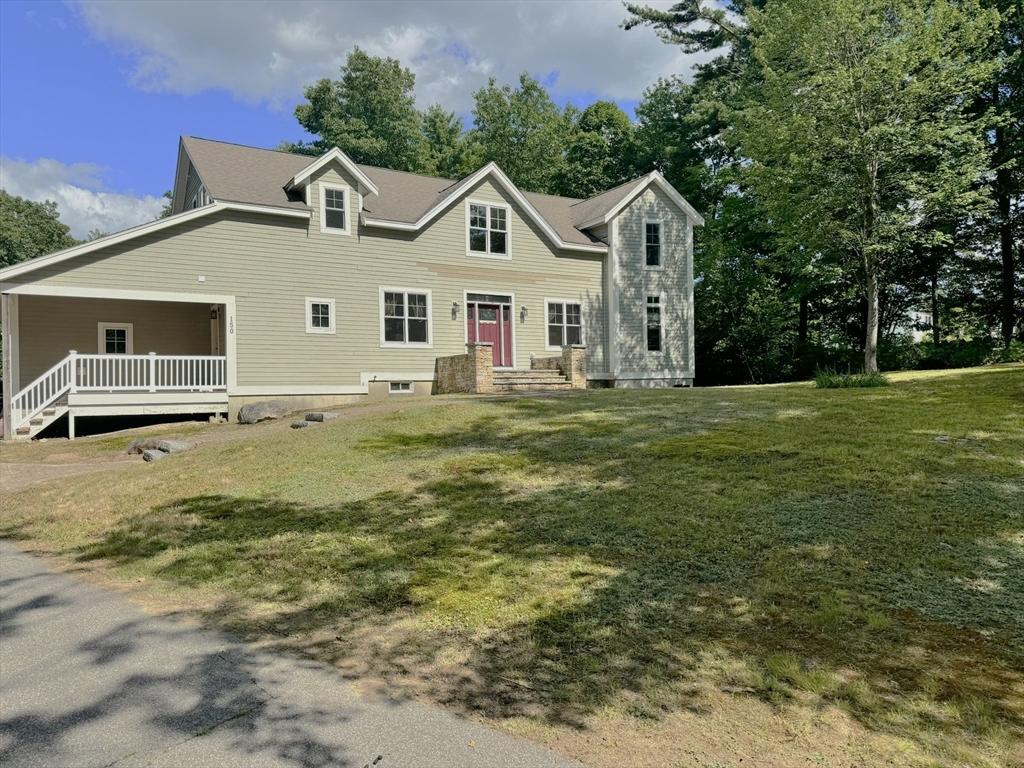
(143, 444)
(263, 410)
(153, 454)
(300, 424)
(321, 416)
(174, 446)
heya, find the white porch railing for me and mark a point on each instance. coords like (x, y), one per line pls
(118, 373)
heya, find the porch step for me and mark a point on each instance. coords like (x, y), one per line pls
(41, 421)
(530, 381)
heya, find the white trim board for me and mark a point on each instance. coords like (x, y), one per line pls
(429, 343)
(513, 313)
(330, 330)
(144, 229)
(324, 159)
(101, 337)
(654, 177)
(583, 321)
(322, 193)
(493, 171)
(507, 255)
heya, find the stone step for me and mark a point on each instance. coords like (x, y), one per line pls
(531, 380)
(529, 373)
(532, 387)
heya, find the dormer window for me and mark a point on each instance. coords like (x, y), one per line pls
(487, 227)
(334, 208)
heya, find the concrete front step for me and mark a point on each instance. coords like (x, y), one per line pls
(533, 380)
(532, 387)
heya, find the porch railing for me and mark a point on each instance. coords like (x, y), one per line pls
(118, 373)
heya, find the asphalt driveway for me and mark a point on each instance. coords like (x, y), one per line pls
(88, 679)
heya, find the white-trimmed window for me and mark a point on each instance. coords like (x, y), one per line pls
(405, 318)
(400, 387)
(652, 244)
(487, 229)
(335, 208)
(319, 315)
(654, 331)
(115, 339)
(564, 323)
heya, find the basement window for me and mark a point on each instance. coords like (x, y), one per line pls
(400, 387)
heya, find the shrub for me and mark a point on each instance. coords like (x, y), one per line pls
(1011, 353)
(827, 378)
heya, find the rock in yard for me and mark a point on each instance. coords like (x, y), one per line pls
(143, 444)
(261, 411)
(174, 446)
(300, 424)
(321, 416)
(152, 454)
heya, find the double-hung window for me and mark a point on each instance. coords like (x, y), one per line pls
(488, 229)
(654, 324)
(565, 324)
(334, 208)
(405, 318)
(319, 315)
(652, 244)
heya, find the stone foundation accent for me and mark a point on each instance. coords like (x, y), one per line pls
(472, 372)
(574, 365)
(546, 363)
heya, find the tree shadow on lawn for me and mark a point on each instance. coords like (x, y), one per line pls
(580, 555)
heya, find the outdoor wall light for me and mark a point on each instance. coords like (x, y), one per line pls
(455, 310)
(523, 312)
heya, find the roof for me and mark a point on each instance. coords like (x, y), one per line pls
(260, 176)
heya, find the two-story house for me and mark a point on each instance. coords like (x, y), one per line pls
(321, 280)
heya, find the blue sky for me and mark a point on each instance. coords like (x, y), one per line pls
(94, 94)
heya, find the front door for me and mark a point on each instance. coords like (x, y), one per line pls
(489, 319)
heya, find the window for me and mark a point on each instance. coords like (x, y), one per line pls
(400, 387)
(565, 323)
(334, 199)
(488, 229)
(405, 318)
(319, 315)
(654, 324)
(652, 243)
(114, 338)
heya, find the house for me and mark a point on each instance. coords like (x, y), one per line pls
(320, 280)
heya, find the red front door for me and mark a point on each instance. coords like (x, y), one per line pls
(491, 323)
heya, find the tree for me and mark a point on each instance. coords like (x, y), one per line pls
(369, 113)
(855, 120)
(447, 151)
(29, 229)
(168, 208)
(599, 150)
(522, 130)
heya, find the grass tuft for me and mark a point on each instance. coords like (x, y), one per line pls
(828, 378)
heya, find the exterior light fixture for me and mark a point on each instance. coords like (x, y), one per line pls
(523, 312)
(455, 310)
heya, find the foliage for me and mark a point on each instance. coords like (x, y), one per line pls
(650, 567)
(522, 130)
(168, 208)
(369, 112)
(29, 229)
(829, 378)
(599, 151)
(447, 151)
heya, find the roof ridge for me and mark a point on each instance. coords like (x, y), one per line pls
(611, 189)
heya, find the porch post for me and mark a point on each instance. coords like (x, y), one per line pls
(73, 374)
(5, 322)
(152, 371)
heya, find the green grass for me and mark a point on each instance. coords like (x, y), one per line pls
(827, 378)
(618, 556)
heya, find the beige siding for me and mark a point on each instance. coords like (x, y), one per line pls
(50, 326)
(270, 264)
(672, 282)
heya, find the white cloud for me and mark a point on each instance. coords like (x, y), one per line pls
(267, 51)
(78, 191)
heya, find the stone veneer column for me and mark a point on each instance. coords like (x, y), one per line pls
(574, 365)
(482, 355)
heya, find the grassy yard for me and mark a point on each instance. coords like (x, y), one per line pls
(739, 576)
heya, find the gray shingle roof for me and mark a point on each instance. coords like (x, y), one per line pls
(251, 175)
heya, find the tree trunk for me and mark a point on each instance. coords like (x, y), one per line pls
(936, 329)
(871, 332)
(802, 328)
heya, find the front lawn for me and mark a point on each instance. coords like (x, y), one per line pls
(774, 575)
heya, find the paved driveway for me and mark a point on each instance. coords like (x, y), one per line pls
(88, 679)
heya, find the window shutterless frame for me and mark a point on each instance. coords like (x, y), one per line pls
(115, 338)
(654, 324)
(320, 315)
(335, 208)
(567, 315)
(405, 315)
(654, 244)
(489, 224)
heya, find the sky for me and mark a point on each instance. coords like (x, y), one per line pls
(94, 94)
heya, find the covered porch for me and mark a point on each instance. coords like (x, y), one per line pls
(103, 354)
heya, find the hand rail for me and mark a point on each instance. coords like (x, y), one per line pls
(41, 393)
